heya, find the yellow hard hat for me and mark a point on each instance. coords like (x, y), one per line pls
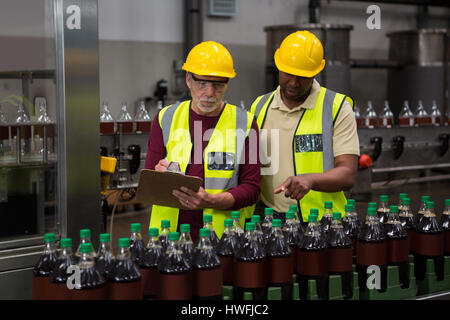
(300, 54)
(210, 58)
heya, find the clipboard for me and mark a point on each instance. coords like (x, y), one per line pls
(156, 187)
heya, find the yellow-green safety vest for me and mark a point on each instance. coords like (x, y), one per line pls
(312, 145)
(221, 157)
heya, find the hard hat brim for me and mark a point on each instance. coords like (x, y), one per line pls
(297, 72)
(202, 72)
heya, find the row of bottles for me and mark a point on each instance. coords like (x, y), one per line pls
(406, 117)
(124, 123)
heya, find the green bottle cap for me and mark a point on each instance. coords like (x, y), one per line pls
(406, 201)
(371, 212)
(403, 195)
(228, 222)
(351, 201)
(276, 223)
(256, 218)
(447, 202)
(393, 209)
(328, 205)
(430, 205)
(124, 242)
(105, 237)
(235, 215)
(348, 207)
(207, 218)
(66, 243)
(85, 233)
(49, 237)
(174, 236)
(384, 198)
(268, 211)
(312, 217)
(337, 216)
(372, 205)
(293, 207)
(250, 226)
(86, 247)
(204, 233)
(153, 232)
(290, 214)
(314, 211)
(425, 198)
(165, 223)
(135, 227)
(185, 228)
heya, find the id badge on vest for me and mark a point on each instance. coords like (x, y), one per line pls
(221, 161)
(308, 143)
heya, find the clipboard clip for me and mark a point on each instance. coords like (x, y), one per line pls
(174, 167)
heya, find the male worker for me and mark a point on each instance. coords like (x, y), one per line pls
(318, 143)
(210, 139)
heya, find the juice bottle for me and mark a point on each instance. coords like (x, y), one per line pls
(106, 120)
(58, 276)
(236, 216)
(125, 121)
(250, 267)
(340, 255)
(371, 249)
(149, 265)
(266, 225)
(435, 114)
(105, 258)
(280, 263)
(136, 243)
(164, 234)
(327, 217)
(175, 274)
(92, 284)
(225, 250)
(383, 209)
(421, 117)
(143, 120)
(125, 275)
(408, 222)
(292, 236)
(207, 223)
(397, 245)
(386, 119)
(85, 237)
(429, 244)
(445, 223)
(312, 263)
(297, 220)
(359, 119)
(41, 285)
(256, 219)
(185, 243)
(406, 117)
(422, 208)
(370, 119)
(352, 226)
(207, 269)
(400, 198)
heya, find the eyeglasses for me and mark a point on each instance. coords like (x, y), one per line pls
(203, 84)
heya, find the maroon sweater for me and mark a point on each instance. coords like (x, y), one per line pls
(245, 194)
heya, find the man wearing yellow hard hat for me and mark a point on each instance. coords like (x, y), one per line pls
(318, 143)
(210, 139)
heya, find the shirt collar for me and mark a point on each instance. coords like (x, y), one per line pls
(309, 103)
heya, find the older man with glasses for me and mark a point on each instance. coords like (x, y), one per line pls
(210, 139)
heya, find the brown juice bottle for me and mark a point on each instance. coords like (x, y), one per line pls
(408, 222)
(225, 250)
(59, 275)
(445, 223)
(41, 287)
(293, 236)
(149, 265)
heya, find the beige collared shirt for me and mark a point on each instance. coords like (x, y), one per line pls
(276, 169)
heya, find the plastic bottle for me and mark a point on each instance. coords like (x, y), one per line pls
(298, 221)
(207, 269)
(386, 119)
(236, 216)
(106, 120)
(370, 119)
(292, 236)
(207, 223)
(256, 219)
(92, 283)
(422, 208)
(164, 234)
(125, 275)
(408, 222)
(397, 245)
(85, 237)
(149, 265)
(340, 254)
(225, 250)
(266, 224)
(445, 224)
(421, 117)
(59, 275)
(251, 268)
(429, 244)
(280, 262)
(371, 249)
(406, 117)
(125, 121)
(137, 245)
(400, 199)
(312, 262)
(359, 119)
(352, 226)
(383, 209)
(175, 274)
(185, 243)
(327, 217)
(143, 120)
(41, 285)
(105, 257)
(435, 114)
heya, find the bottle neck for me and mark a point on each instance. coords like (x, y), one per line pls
(124, 253)
(372, 220)
(393, 218)
(429, 212)
(104, 247)
(204, 244)
(65, 252)
(336, 224)
(165, 231)
(153, 241)
(49, 248)
(86, 260)
(313, 229)
(135, 235)
(172, 247)
(328, 213)
(277, 232)
(228, 230)
(185, 237)
(446, 211)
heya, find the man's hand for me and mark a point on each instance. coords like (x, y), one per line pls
(162, 165)
(191, 200)
(295, 187)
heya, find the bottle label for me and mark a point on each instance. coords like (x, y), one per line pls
(280, 269)
(227, 269)
(208, 283)
(398, 250)
(150, 278)
(428, 244)
(340, 259)
(175, 286)
(312, 263)
(250, 274)
(371, 253)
